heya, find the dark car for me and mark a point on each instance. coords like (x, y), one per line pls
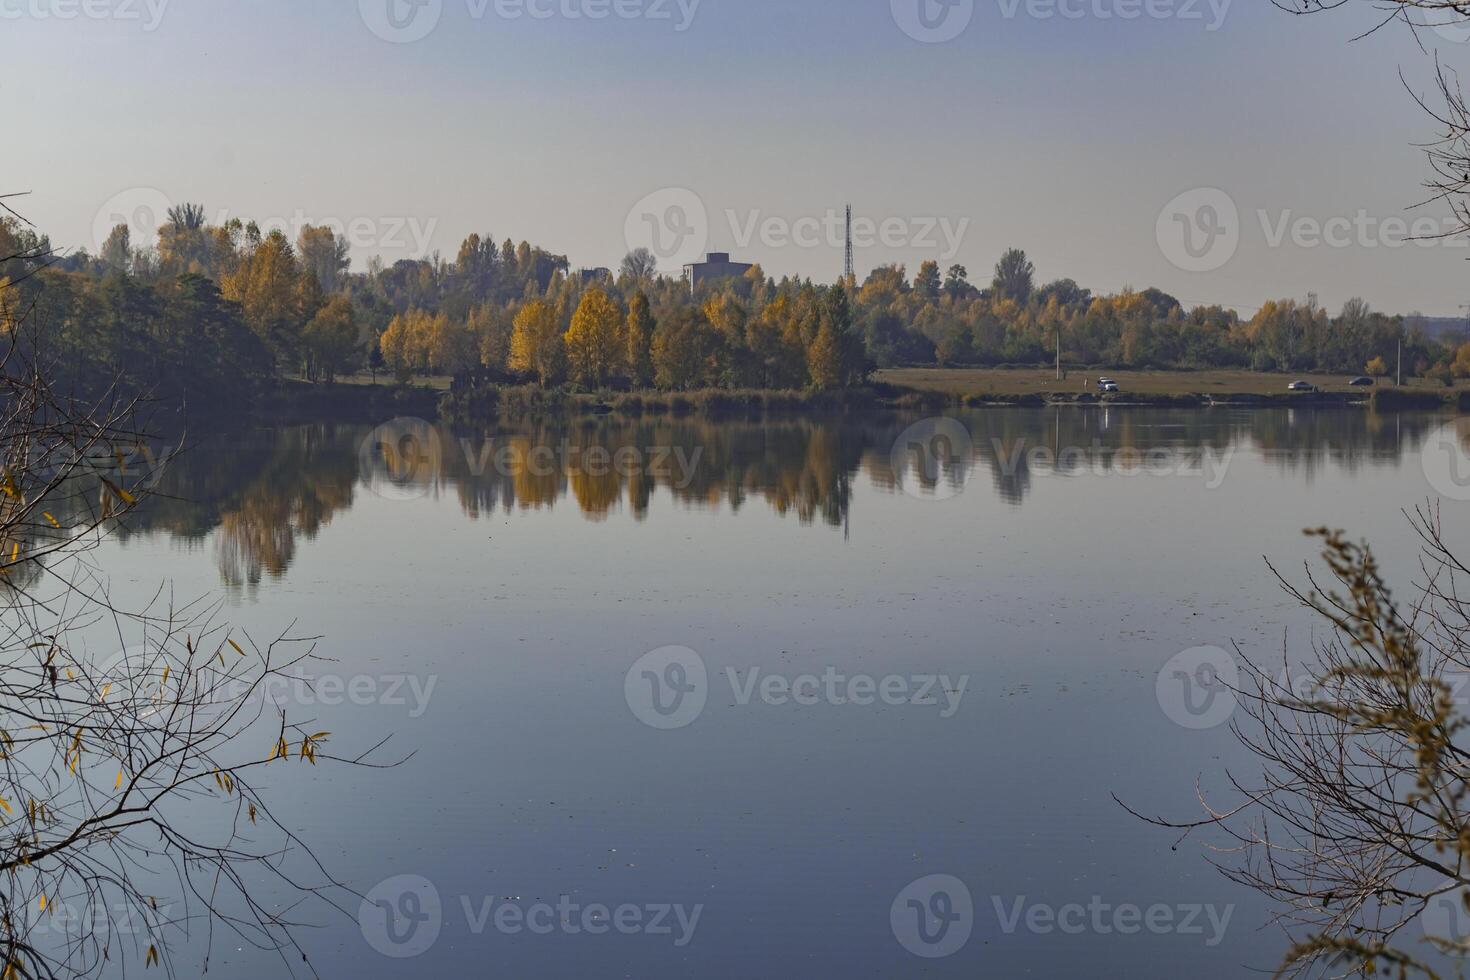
(1363, 382)
(1301, 386)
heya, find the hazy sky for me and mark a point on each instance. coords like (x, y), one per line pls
(1060, 126)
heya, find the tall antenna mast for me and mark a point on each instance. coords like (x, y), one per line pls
(849, 271)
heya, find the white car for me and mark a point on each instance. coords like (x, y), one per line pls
(1107, 385)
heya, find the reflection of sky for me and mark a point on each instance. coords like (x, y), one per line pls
(1064, 136)
(796, 827)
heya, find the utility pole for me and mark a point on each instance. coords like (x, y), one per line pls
(1059, 353)
(849, 269)
(1401, 362)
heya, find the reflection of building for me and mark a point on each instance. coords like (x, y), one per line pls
(716, 265)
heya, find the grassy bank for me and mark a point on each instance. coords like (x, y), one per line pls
(979, 385)
(902, 389)
(1004, 383)
(482, 404)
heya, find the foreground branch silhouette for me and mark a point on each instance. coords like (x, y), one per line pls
(134, 822)
(1359, 827)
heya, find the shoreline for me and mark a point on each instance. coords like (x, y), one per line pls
(299, 402)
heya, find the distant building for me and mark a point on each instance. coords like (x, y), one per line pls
(595, 275)
(716, 265)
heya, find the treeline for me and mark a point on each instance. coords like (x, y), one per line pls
(214, 311)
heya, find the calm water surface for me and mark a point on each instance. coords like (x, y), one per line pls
(489, 608)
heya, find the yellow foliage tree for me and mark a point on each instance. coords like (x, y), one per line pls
(595, 347)
(536, 345)
(640, 329)
(824, 359)
(453, 348)
(408, 343)
(393, 344)
(265, 286)
(1460, 366)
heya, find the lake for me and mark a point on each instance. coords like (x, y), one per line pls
(727, 699)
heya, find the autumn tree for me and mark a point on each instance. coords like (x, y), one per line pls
(596, 347)
(393, 345)
(266, 287)
(835, 357)
(640, 330)
(639, 267)
(117, 250)
(330, 341)
(323, 255)
(1460, 364)
(183, 241)
(957, 282)
(491, 329)
(408, 342)
(453, 349)
(536, 345)
(927, 282)
(1014, 276)
(683, 346)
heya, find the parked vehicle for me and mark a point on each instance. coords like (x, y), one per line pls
(1106, 385)
(1301, 386)
(1363, 382)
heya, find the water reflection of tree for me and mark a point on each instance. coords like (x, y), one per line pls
(260, 492)
(800, 467)
(1107, 440)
